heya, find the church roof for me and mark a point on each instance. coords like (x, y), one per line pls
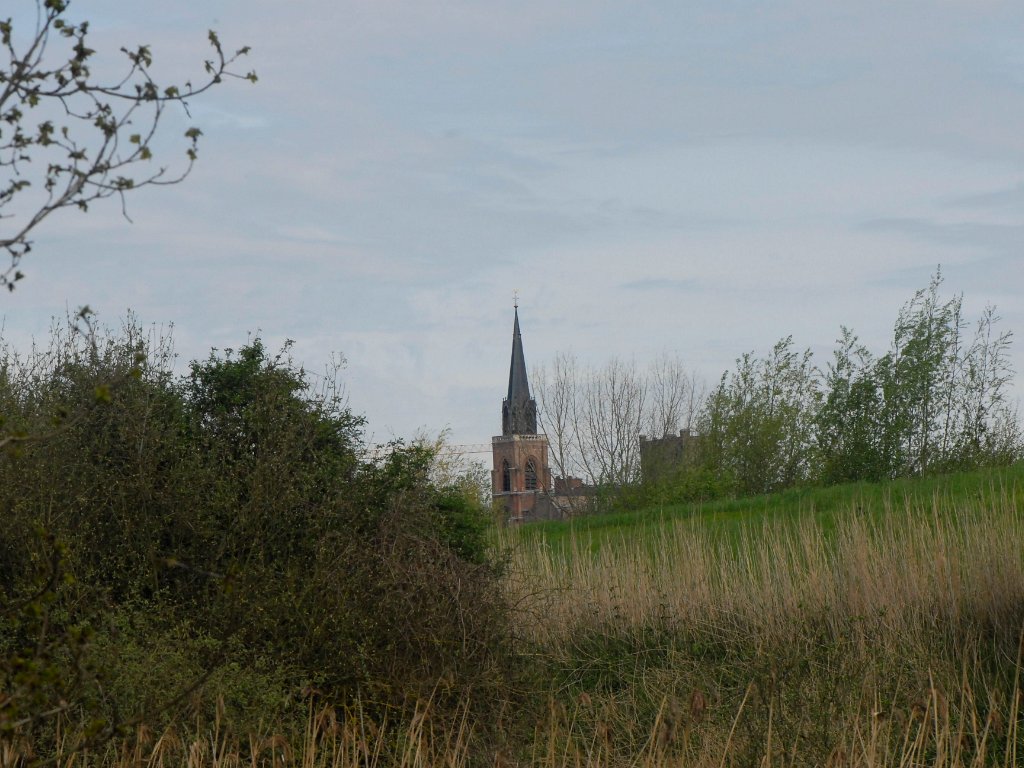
(518, 386)
(519, 411)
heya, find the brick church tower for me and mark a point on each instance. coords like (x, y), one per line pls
(521, 476)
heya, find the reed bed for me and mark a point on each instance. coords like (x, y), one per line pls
(883, 640)
(892, 578)
(800, 639)
(929, 738)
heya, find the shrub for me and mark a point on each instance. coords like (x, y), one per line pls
(228, 522)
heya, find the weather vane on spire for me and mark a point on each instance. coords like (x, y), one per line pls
(515, 298)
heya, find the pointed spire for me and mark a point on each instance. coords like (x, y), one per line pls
(518, 386)
(519, 411)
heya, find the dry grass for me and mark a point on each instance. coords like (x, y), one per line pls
(893, 642)
(886, 580)
(928, 737)
(808, 646)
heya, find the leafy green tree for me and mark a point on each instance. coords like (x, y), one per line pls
(990, 425)
(276, 449)
(847, 425)
(920, 390)
(757, 425)
(936, 401)
(945, 398)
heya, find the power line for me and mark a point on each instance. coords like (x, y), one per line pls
(444, 450)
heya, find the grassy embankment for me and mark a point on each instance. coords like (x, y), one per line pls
(827, 506)
(798, 628)
(856, 626)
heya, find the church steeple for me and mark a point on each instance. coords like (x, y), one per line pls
(519, 410)
(521, 475)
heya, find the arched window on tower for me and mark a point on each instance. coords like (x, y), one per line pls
(506, 476)
(531, 475)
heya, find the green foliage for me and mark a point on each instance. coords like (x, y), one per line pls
(850, 437)
(756, 426)
(155, 667)
(462, 524)
(34, 660)
(689, 483)
(937, 401)
(226, 528)
(919, 379)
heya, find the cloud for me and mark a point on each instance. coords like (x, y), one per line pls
(1009, 197)
(986, 238)
(661, 284)
(705, 176)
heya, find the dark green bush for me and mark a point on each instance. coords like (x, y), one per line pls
(226, 526)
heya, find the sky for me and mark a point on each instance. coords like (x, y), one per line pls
(693, 178)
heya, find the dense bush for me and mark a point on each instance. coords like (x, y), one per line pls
(227, 527)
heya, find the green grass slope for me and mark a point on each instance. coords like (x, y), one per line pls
(827, 505)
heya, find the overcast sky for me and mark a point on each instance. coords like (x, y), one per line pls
(700, 178)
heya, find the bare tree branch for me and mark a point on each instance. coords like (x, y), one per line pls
(75, 139)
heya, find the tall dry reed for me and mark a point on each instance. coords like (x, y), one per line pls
(805, 640)
(887, 579)
(888, 641)
(928, 738)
